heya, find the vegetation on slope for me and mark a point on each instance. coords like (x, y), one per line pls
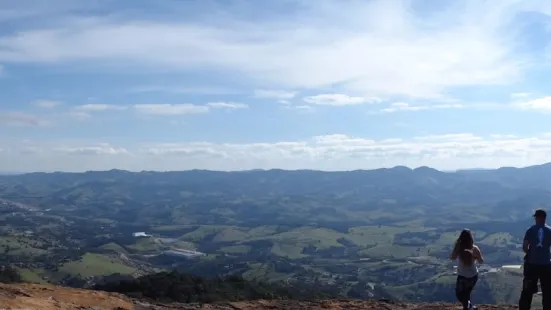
(9, 274)
(383, 233)
(177, 287)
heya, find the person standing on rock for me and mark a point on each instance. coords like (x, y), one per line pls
(537, 246)
(467, 254)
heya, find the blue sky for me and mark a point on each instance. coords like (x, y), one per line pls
(230, 85)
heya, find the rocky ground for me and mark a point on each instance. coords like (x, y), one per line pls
(47, 297)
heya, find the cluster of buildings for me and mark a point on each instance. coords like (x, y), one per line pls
(482, 269)
(140, 234)
(183, 253)
(173, 251)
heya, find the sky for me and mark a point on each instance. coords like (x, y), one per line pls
(291, 84)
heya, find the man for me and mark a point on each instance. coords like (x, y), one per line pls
(537, 267)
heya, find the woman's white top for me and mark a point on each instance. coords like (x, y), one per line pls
(466, 271)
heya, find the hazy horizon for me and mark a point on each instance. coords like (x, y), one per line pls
(257, 169)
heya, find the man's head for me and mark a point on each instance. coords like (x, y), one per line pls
(540, 216)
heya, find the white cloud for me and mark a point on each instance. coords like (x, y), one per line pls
(21, 119)
(188, 150)
(299, 108)
(376, 48)
(541, 104)
(282, 95)
(304, 107)
(335, 152)
(99, 149)
(520, 95)
(454, 137)
(402, 106)
(30, 150)
(170, 109)
(78, 115)
(32, 10)
(158, 109)
(227, 105)
(338, 100)
(504, 136)
(183, 90)
(97, 107)
(46, 104)
(327, 152)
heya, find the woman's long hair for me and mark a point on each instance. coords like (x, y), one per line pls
(464, 246)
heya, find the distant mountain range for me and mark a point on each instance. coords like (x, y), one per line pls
(511, 191)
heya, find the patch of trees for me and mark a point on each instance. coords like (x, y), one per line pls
(264, 244)
(342, 226)
(9, 274)
(113, 278)
(416, 238)
(359, 291)
(332, 252)
(347, 243)
(208, 246)
(223, 266)
(75, 282)
(174, 286)
(284, 266)
(173, 233)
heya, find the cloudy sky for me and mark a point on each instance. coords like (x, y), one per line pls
(236, 84)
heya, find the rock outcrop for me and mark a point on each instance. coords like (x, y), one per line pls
(48, 297)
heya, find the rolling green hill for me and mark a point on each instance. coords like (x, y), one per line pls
(363, 234)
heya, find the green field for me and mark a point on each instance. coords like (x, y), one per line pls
(32, 275)
(236, 249)
(113, 247)
(95, 265)
(145, 244)
(22, 245)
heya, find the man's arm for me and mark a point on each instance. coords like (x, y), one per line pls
(526, 242)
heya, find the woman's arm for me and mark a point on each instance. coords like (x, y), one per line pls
(477, 253)
(455, 252)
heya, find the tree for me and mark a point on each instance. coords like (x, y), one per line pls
(9, 274)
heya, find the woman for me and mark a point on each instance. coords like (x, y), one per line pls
(467, 254)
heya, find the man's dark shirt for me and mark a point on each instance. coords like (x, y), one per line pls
(539, 239)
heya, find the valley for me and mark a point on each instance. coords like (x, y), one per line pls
(384, 233)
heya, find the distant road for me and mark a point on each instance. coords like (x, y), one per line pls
(18, 204)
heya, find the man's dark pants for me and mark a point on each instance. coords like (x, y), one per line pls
(533, 274)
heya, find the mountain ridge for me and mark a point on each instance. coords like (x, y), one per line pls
(397, 167)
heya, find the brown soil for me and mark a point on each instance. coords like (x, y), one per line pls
(48, 297)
